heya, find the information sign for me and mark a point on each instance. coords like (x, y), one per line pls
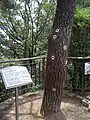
(87, 68)
(15, 76)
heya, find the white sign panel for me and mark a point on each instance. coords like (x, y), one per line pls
(15, 76)
(87, 68)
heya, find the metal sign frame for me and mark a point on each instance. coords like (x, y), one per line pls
(12, 71)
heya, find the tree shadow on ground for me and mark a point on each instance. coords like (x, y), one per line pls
(5, 115)
(58, 116)
(33, 110)
(4, 111)
(72, 100)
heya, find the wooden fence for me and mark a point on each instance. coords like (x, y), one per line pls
(77, 81)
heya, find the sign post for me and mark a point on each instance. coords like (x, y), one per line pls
(16, 103)
(14, 77)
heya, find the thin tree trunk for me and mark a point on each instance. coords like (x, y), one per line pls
(56, 73)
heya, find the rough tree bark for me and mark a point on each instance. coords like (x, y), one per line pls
(58, 42)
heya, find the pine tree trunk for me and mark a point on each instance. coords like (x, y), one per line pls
(56, 73)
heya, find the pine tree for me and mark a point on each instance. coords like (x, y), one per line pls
(56, 70)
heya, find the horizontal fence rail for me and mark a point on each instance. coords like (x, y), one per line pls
(35, 66)
(77, 81)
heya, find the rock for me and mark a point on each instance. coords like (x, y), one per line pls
(86, 101)
(89, 108)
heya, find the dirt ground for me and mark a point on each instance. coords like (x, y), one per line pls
(30, 106)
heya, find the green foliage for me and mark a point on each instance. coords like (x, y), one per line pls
(35, 88)
(80, 41)
(82, 17)
(73, 76)
(26, 27)
(83, 3)
(6, 4)
(80, 44)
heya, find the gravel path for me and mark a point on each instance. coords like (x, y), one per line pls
(29, 109)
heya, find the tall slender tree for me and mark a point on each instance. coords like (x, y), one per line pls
(58, 42)
(25, 26)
